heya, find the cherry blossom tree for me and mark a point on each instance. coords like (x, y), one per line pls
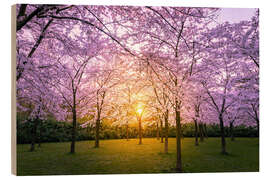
(148, 65)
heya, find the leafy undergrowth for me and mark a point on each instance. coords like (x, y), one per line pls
(121, 156)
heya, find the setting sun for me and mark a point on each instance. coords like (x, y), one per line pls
(139, 111)
(139, 108)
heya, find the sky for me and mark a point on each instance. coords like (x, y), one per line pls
(235, 15)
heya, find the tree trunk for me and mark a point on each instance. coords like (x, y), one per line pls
(140, 130)
(40, 135)
(205, 130)
(34, 134)
(97, 131)
(222, 133)
(157, 131)
(258, 127)
(73, 133)
(196, 132)
(127, 133)
(161, 130)
(178, 141)
(201, 132)
(74, 125)
(166, 131)
(257, 119)
(231, 131)
(178, 134)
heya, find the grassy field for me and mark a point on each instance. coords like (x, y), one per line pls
(121, 156)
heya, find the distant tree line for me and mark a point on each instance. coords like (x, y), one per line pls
(55, 131)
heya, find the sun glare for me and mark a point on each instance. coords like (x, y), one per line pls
(139, 111)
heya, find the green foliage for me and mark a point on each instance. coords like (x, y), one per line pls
(48, 131)
(121, 156)
(55, 131)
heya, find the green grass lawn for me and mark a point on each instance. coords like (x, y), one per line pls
(121, 156)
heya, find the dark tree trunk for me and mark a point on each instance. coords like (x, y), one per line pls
(178, 134)
(97, 131)
(201, 132)
(127, 133)
(258, 127)
(205, 130)
(166, 131)
(120, 133)
(196, 132)
(157, 131)
(231, 131)
(256, 118)
(178, 140)
(74, 125)
(161, 130)
(73, 132)
(140, 130)
(34, 134)
(40, 135)
(222, 133)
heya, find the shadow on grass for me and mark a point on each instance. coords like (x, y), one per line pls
(228, 154)
(97, 148)
(71, 154)
(37, 150)
(174, 170)
(165, 154)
